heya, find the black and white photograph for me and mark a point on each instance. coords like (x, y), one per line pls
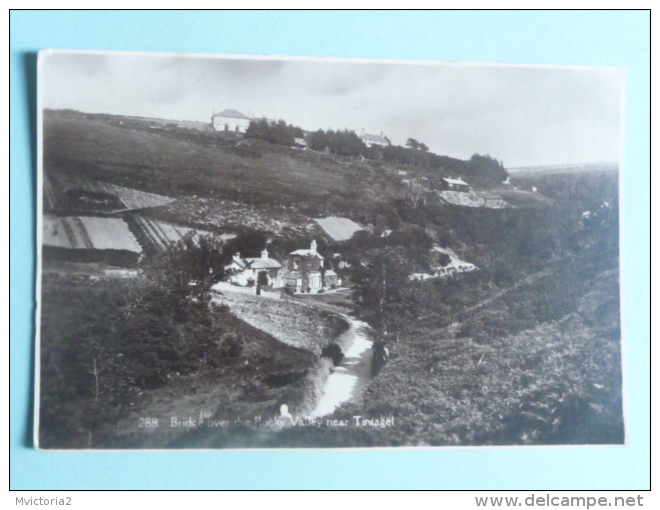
(241, 252)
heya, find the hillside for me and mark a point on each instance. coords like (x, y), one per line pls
(537, 365)
(184, 162)
(201, 165)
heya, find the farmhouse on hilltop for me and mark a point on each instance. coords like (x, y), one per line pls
(246, 270)
(371, 140)
(304, 271)
(230, 120)
(449, 184)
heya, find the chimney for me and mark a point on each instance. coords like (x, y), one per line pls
(381, 134)
(264, 254)
(361, 131)
(237, 257)
(313, 246)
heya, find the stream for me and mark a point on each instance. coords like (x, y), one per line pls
(348, 379)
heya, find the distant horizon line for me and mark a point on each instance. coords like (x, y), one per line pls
(559, 165)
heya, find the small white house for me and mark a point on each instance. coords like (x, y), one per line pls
(300, 143)
(371, 140)
(449, 184)
(246, 270)
(230, 120)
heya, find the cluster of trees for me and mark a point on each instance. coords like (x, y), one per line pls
(417, 155)
(342, 142)
(415, 145)
(278, 132)
(413, 240)
(347, 143)
(487, 167)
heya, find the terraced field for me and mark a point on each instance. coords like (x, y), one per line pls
(85, 232)
(72, 192)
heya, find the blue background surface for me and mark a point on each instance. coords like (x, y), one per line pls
(617, 38)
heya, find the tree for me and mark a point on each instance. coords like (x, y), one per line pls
(318, 140)
(187, 269)
(248, 243)
(387, 299)
(414, 194)
(275, 132)
(384, 293)
(412, 143)
(166, 324)
(488, 167)
(444, 259)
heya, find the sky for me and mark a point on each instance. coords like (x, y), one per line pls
(521, 115)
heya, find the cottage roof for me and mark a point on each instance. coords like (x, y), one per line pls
(455, 181)
(258, 263)
(373, 138)
(307, 253)
(234, 114)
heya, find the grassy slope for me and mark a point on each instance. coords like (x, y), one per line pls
(182, 163)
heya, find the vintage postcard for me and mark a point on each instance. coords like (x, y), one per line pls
(278, 252)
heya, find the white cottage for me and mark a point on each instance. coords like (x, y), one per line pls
(230, 120)
(246, 270)
(371, 140)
